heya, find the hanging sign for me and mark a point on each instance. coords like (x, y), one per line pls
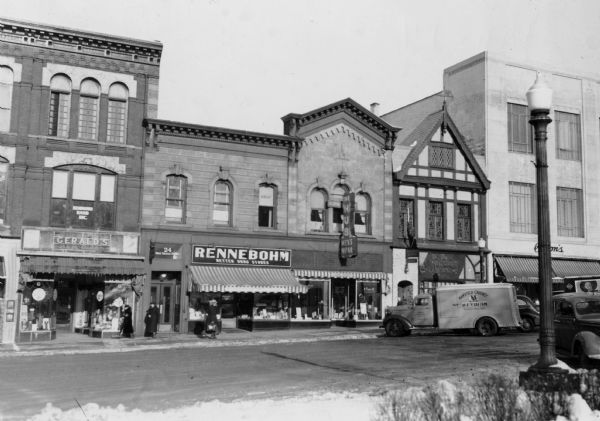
(348, 240)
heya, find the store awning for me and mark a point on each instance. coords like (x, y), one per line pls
(576, 268)
(82, 265)
(525, 269)
(244, 279)
(328, 274)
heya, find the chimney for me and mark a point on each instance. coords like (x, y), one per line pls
(375, 108)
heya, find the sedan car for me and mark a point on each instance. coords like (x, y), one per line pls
(577, 326)
(529, 313)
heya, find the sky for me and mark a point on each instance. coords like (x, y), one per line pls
(244, 64)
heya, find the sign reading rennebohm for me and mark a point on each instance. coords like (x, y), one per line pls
(348, 241)
(225, 255)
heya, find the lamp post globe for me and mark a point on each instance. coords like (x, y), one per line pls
(539, 101)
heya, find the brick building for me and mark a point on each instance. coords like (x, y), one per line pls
(254, 220)
(71, 148)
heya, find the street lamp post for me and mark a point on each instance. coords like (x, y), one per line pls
(539, 101)
(481, 244)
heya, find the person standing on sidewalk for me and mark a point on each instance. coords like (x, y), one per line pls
(127, 329)
(151, 321)
(211, 319)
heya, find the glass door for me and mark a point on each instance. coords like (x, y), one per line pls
(165, 291)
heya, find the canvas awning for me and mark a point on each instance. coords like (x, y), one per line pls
(244, 279)
(82, 265)
(525, 269)
(328, 274)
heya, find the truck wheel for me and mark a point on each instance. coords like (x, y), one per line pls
(486, 326)
(396, 328)
(528, 325)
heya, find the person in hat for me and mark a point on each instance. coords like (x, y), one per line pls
(127, 327)
(151, 321)
(211, 319)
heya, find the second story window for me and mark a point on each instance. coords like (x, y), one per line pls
(89, 105)
(463, 222)
(6, 88)
(3, 188)
(82, 199)
(222, 203)
(266, 206)
(435, 221)
(60, 106)
(520, 137)
(569, 212)
(441, 157)
(175, 200)
(117, 113)
(568, 136)
(318, 216)
(522, 203)
(362, 214)
(336, 218)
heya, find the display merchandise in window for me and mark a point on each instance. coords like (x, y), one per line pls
(38, 309)
(271, 306)
(314, 305)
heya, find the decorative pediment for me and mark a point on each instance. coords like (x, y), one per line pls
(350, 133)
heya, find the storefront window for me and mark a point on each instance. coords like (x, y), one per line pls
(38, 307)
(314, 305)
(369, 300)
(271, 306)
(343, 297)
(198, 308)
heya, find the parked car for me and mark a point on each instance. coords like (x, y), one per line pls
(577, 326)
(530, 315)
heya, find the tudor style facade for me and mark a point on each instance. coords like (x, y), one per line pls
(71, 135)
(440, 204)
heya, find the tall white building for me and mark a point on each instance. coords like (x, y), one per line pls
(485, 96)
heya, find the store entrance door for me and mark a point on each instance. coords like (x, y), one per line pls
(164, 293)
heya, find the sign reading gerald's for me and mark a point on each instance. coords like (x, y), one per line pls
(216, 255)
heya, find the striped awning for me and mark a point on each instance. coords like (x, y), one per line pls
(328, 274)
(81, 265)
(576, 268)
(525, 269)
(244, 279)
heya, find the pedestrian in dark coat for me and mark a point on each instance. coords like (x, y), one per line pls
(127, 328)
(211, 319)
(151, 321)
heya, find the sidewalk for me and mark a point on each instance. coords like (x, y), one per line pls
(74, 343)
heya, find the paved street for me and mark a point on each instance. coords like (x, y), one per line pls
(166, 378)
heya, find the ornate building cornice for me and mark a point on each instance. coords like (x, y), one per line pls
(76, 41)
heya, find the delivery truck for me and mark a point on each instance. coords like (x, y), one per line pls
(482, 308)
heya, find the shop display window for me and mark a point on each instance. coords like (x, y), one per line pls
(198, 308)
(314, 305)
(369, 300)
(343, 299)
(109, 306)
(38, 306)
(271, 307)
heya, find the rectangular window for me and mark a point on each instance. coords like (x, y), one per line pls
(336, 219)
(441, 157)
(222, 204)
(266, 207)
(117, 111)
(523, 208)
(569, 212)
(520, 138)
(175, 200)
(435, 221)
(84, 186)
(107, 188)
(463, 222)
(6, 88)
(88, 118)
(60, 107)
(406, 228)
(568, 136)
(3, 171)
(60, 180)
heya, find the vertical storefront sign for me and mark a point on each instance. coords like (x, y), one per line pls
(348, 240)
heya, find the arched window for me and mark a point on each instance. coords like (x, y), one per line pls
(267, 206)
(117, 113)
(362, 214)
(89, 105)
(338, 195)
(175, 198)
(318, 214)
(222, 203)
(60, 106)
(83, 197)
(6, 87)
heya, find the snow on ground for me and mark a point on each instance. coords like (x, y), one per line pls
(325, 407)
